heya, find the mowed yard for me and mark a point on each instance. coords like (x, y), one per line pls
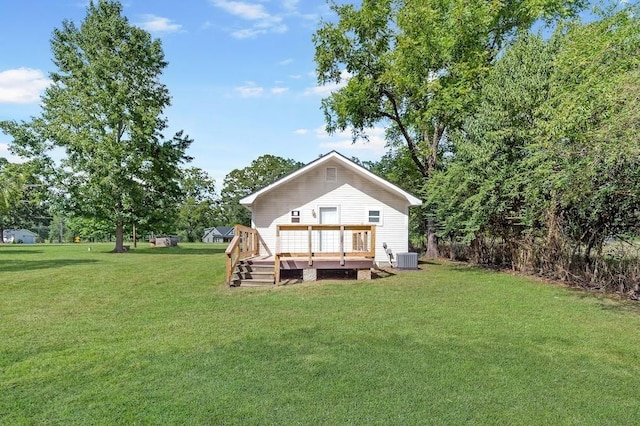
(155, 337)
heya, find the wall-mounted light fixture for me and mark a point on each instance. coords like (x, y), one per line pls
(313, 212)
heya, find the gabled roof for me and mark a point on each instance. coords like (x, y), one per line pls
(219, 231)
(9, 232)
(335, 156)
(225, 230)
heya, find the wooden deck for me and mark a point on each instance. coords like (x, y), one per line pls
(352, 262)
(301, 247)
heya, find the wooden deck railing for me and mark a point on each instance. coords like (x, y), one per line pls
(311, 241)
(244, 244)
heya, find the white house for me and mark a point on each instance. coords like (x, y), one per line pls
(23, 236)
(332, 190)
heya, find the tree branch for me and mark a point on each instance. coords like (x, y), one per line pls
(413, 149)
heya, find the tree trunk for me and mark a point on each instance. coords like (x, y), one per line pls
(119, 238)
(1, 234)
(432, 243)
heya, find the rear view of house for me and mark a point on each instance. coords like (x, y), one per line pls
(332, 208)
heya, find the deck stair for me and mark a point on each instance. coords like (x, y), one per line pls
(253, 273)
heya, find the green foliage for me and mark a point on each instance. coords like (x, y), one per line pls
(588, 133)
(239, 183)
(24, 194)
(549, 161)
(87, 230)
(104, 108)
(416, 65)
(198, 207)
(483, 185)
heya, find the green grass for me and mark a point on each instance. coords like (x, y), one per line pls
(155, 337)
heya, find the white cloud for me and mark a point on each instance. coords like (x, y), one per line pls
(22, 86)
(290, 5)
(158, 24)
(286, 61)
(263, 22)
(343, 142)
(243, 10)
(250, 90)
(279, 90)
(301, 131)
(327, 89)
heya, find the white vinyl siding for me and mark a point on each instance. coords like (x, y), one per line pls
(350, 193)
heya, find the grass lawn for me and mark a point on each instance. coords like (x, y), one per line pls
(155, 337)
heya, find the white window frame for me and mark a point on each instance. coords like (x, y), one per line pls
(367, 215)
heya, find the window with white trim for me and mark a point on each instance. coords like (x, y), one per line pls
(331, 174)
(374, 215)
(295, 216)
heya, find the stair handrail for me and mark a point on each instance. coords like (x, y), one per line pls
(245, 243)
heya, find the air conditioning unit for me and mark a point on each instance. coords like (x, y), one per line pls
(407, 260)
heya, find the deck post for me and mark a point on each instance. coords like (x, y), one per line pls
(373, 242)
(309, 229)
(276, 263)
(341, 245)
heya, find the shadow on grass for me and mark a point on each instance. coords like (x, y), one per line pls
(428, 262)
(32, 265)
(178, 250)
(607, 301)
(18, 251)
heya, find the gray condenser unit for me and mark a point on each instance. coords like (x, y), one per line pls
(407, 260)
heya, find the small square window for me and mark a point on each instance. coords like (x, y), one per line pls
(295, 216)
(374, 216)
(332, 174)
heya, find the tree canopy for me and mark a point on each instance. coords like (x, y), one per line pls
(105, 110)
(416, 66)
(547, 165)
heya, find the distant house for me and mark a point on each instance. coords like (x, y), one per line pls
(19, 236)
(218, 234)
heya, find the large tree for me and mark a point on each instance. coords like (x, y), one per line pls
(416, 65)
(105, 108)
(548, 165)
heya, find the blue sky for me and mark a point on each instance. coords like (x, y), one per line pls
(241, 74)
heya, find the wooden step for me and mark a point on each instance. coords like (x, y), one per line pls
(251, 274)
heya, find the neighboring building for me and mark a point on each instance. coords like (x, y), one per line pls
(332, 190)
(218, 234)
(19, 236)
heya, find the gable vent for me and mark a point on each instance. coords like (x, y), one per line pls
(332, 174)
